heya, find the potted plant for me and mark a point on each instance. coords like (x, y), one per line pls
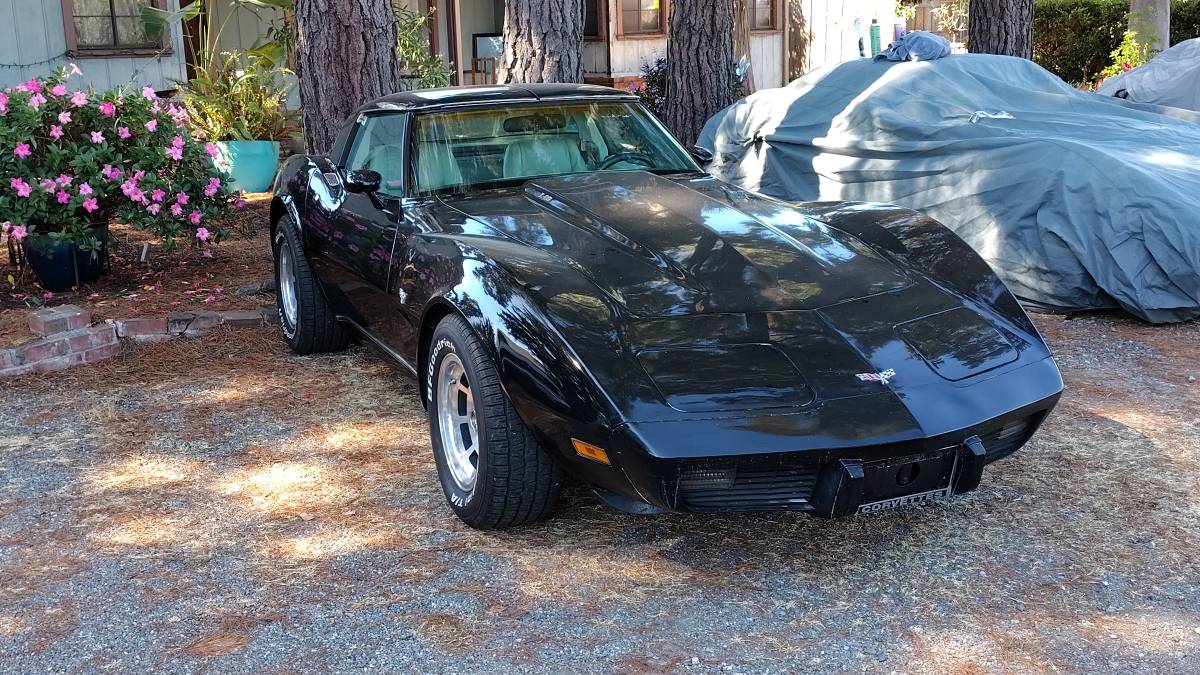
(236, 99)
(73, 160)
(238, 102)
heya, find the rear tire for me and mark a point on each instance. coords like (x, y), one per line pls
(492, 469)
(308, 322)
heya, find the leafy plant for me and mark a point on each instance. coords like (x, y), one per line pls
(71, 161)
(951, 17)
(412, 47)
(653, 89)
(239, 98)
(235, 95)
(1128, 55)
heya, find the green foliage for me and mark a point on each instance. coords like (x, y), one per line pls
(1128, 55)
(72, 160)
(1075, 39)
(653, 90)
(951, 16)
(240, 98)
(412, 47)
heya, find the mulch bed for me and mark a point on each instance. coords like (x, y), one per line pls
(168, 281)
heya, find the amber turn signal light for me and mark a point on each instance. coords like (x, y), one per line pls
(590, 451)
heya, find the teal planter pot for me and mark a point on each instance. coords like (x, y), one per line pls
(252, 164)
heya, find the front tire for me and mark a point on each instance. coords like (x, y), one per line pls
(492, 469)
(308, 322)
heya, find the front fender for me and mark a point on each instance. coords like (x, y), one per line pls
(539, 370)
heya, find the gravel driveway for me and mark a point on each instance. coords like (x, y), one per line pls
(220, 505)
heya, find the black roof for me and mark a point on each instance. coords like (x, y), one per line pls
(433, 98)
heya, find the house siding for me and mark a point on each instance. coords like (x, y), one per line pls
(32, 32)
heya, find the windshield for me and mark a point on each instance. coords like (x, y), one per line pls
(495, 146)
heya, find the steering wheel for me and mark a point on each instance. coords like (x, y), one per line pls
(635, 157)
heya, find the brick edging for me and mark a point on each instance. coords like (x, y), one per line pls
(65, 336)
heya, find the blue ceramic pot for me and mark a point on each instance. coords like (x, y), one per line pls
(63, 267)
(252, 164)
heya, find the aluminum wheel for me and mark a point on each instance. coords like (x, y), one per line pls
(456, 422)
(287, 284)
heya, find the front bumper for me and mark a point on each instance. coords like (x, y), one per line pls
(825, 482)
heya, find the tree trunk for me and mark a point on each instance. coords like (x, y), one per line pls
(1151, 20)
(543, 41)
(741, 45)
(346, 56)
(1001, 27)
(700, 68)
(798, 39)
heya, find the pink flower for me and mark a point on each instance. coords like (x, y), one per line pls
(194, 216)
(59, 90)
(157, 195)
(211, 149)
(36, 101)
(48, 185)
(136, 195)
(214, 184)
(201, 233)
(148, 92)
(85, 189)
(176, 210)
(22, 150)
(47, 295)
(23, 189)
(177, 142)
(123, 133)
(78, 99)
(175, 153)
(152, 125)
(153, 209)
(64, 117)
(181, 198)
(56, 132)
(62, 197)
(32, 85)
(64, 179)
(109, 173)
(97, 137)
(5, 226)
(108, 109)
(18, 232)
(90, 204)
(239, 203)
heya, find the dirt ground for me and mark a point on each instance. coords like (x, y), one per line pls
(220, 505)
(187, 278)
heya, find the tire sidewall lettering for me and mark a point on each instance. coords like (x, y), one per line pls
(454, 495)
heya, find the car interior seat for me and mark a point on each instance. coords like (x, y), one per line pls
(436, 166)
(543, 155)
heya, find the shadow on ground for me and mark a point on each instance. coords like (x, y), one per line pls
(221, 503)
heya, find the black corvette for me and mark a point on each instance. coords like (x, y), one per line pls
(576, 296)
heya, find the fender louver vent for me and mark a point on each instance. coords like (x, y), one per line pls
(747, 490)
(1007, 439)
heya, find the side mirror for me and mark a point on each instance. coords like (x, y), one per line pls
(363, 181)
(702, 155)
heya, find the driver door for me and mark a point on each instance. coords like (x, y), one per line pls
(355, 252)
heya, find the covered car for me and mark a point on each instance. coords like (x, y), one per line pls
(1171, 78)
(1078, 201)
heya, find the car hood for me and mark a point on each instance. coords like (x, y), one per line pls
(664, 246)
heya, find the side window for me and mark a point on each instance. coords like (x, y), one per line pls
(379, 146)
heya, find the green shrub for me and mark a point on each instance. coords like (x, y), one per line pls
(1074, 39)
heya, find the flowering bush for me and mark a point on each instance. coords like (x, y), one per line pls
(72, 160)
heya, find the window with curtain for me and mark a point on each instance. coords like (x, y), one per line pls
(592, 22)
(642, 17)
(762, 15)
(109, 24)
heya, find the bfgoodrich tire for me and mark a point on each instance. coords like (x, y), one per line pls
(492, 470)
(308, 322)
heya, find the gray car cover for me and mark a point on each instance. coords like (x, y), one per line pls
(1078, 201)
(1171, 78)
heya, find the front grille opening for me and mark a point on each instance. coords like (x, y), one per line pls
(737, 489)
(1007, 439)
